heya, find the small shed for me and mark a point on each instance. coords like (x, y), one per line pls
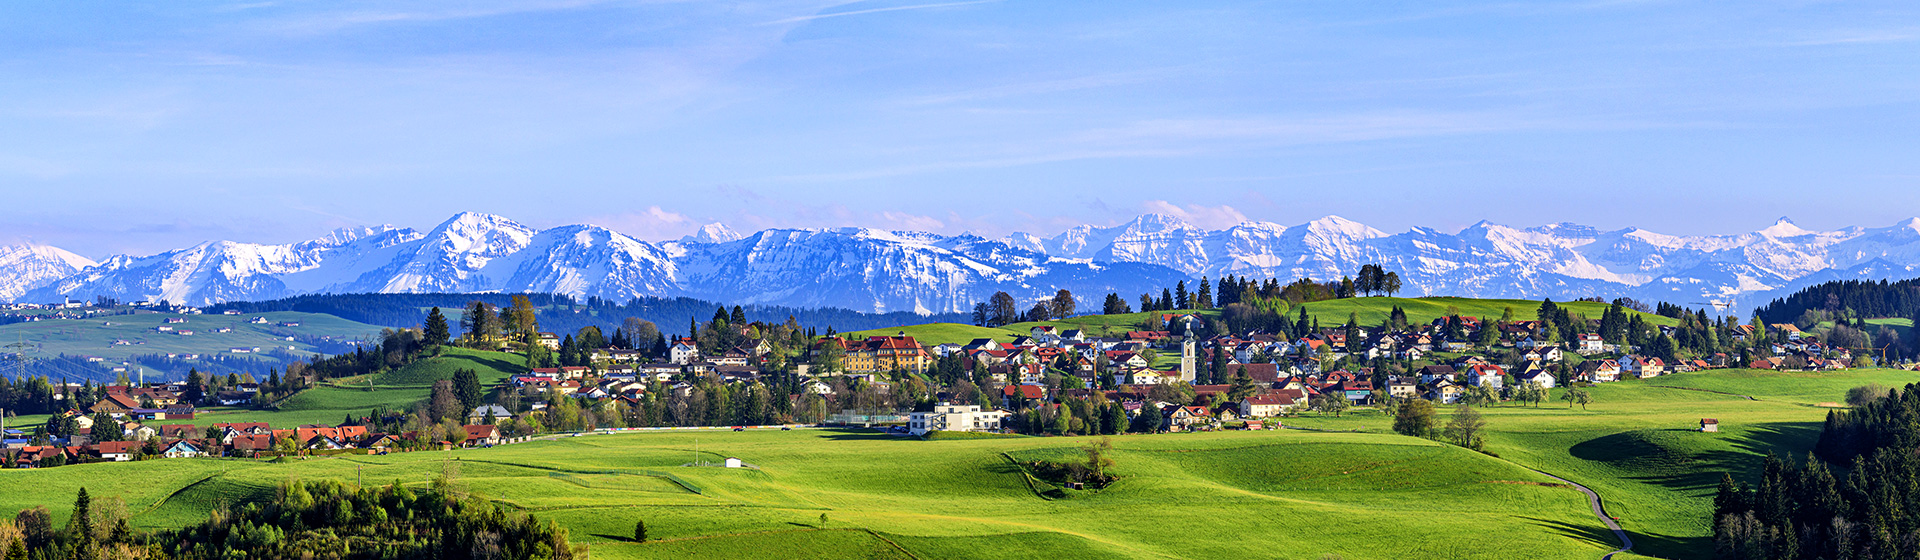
(733, 462)
(1709, 425)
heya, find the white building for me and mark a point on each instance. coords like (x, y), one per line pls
(683, 352)
(955, 418)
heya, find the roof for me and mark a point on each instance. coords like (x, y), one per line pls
(1026, 391)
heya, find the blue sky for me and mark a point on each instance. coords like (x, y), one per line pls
(143, 128)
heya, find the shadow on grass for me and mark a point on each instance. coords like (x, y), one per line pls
(862, 434)
(1591, 531)
(1677, 460)
(616, 538)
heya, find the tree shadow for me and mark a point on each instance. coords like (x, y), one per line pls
(857, 434)
(619, 538)
(1592, 532)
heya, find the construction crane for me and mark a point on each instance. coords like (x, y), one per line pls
(1714, 304)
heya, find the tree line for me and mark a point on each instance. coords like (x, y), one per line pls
(303, 519)
(1804, 509)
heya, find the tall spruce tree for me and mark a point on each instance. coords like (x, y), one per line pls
(436, 332)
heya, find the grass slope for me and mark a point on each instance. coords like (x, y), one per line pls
(1374, 310)
(399, 388)
(1639, 446)
(940, 333)
(1266, 494)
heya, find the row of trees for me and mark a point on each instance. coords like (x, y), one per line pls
(1001, 309)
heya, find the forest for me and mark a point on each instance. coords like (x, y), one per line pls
(1866, 508)
(561, 313)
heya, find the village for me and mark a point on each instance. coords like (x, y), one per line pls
(1184, 376)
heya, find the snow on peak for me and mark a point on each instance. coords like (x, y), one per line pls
(713, 233)
(1342, 227)
(1155, 223)
(12, 255)
(1783, 227)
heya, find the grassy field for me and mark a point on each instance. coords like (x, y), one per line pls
(1374, 310)
(1638, 444)
(1371, 311)
(331, 403)
(940, 333)
(1361, 492)
(1269, 494)
(97, 336)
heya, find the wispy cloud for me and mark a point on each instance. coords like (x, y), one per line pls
(1043, 87)
(799, 19)
(1858, 37)
(337, 21)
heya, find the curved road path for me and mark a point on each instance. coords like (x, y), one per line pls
(1593, 499)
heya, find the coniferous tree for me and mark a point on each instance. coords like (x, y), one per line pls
(435, 333)
(1204, 299)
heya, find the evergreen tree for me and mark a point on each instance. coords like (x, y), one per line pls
(436, 332)
(1204, 300)
(1180, 296)
(196, 390)
(80, 525)
(466, 387)
(1166, 300)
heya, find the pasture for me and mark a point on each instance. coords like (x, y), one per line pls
(1359, 491)
(117, 338)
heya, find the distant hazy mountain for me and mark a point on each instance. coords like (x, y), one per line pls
(27, 266)
(875, 270)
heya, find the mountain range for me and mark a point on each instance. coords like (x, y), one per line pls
(881, 271)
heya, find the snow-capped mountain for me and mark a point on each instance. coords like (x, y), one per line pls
(876, 270)
(27, 266)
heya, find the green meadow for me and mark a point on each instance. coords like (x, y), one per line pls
(1357, 490)
(1639, 445)
(1271, 494)
(97, 336)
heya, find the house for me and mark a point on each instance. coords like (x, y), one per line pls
(1045, 334)
(956, 418)
(1446, 392)
(887, 353)
(1543, 379)
(183, 449)
(1180, 418)
(1125, 359)
(1542, 354)
(732, 462)
(117, 450)
(486, 435)
(488, 414)
(1431, 373)
(1591, 344)
(1709, 425)
(1271, 404)
(1403, 389)
(684, 351)
(549, 340)
(1486, 375)
(1604, 371)
(1029, 392)
(115, 403)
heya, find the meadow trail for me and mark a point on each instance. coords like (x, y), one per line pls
(1600, 511)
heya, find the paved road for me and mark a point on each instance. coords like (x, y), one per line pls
(1626, 543)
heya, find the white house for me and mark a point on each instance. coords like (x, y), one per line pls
(683, 352)
(955, 418)
(1591, 344)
